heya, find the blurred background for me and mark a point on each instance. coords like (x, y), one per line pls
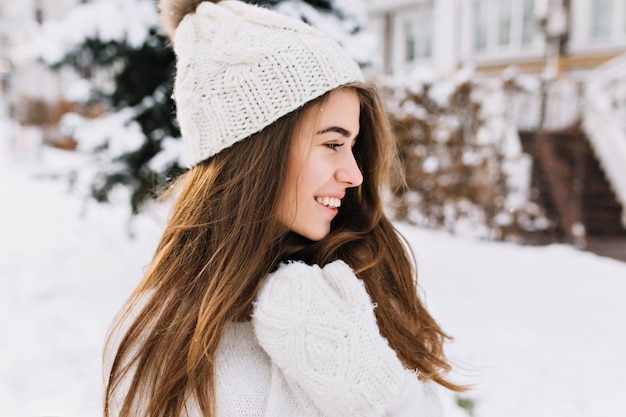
(509, 114)
(510, 120)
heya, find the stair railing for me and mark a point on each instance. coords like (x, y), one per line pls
(602, 125)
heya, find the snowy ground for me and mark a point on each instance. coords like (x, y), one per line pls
(539, 332)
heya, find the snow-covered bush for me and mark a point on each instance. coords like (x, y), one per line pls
(122, 64)
(464, 167)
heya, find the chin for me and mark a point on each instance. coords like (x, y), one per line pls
(313, 235)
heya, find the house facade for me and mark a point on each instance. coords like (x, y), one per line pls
(579, 152)
(492, 34)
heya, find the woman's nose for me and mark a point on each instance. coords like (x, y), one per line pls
(349, 172)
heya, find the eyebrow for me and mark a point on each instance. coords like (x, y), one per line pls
(336, 129)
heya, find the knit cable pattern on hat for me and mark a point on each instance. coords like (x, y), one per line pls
(241, 67)
(318, 326)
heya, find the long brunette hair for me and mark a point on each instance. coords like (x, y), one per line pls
(222, 240)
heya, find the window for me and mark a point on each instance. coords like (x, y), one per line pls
(504, 23)
(502, 26)
(424, 35)
(409, 41)
(601, 19)
(418, 37)
(480, 25)
(528, 22)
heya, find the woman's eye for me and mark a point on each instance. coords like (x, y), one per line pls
(334, 145)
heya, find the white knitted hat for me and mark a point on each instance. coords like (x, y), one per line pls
(241, 67)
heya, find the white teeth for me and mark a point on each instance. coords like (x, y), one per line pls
(332, 202)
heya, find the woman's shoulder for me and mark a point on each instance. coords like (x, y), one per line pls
(238, 336)
(243, 373)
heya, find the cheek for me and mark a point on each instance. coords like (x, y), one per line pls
(314, 173)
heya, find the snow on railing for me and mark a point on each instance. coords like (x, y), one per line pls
(603, 126)
(562, 109)
(610, 71)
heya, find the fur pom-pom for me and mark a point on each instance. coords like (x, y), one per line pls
(173, 11)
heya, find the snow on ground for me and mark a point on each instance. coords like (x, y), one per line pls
(538, 331)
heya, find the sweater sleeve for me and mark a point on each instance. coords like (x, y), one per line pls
(318, 326)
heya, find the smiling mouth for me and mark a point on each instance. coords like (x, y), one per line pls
(330, 202)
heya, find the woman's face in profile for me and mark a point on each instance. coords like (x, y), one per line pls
(321, 164)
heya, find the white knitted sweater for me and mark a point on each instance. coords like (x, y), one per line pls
(313, 349)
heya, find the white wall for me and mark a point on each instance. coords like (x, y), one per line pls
(446, 33)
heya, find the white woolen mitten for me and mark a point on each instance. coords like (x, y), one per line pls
(318, 326)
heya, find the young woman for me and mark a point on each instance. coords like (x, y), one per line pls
(279, 287)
